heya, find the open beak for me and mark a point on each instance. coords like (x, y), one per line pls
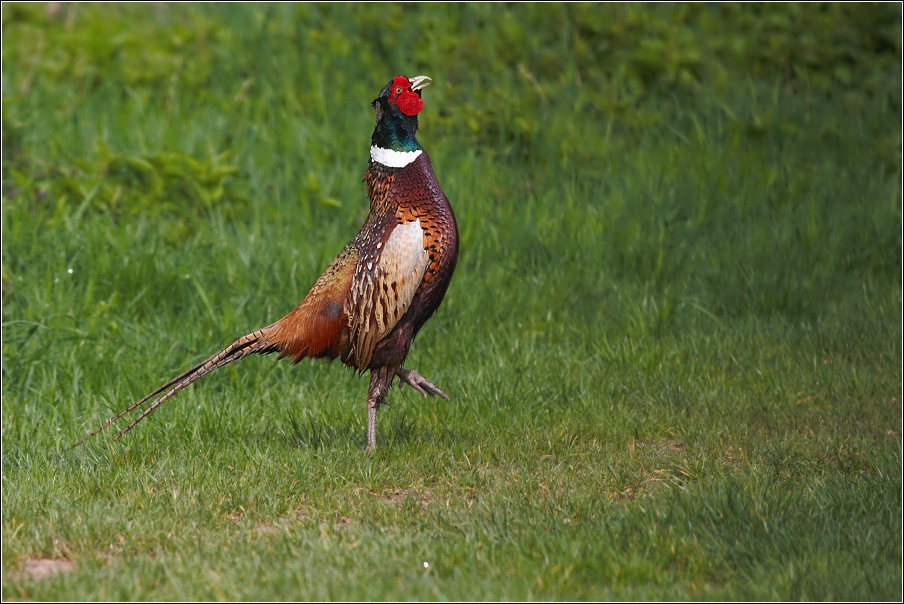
(419, 82)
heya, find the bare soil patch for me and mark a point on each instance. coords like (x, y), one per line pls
(44, 568)
(397, 497)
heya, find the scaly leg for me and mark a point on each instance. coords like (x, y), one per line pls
(380, 381)
(417, 381)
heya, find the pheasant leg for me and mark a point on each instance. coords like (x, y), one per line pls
(380, 381)
(371, 427)
(417, 381)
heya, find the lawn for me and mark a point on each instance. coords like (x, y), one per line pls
(673, 342)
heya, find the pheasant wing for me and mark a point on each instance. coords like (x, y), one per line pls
(383, 286)
(318, 327)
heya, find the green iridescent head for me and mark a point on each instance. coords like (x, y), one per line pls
(396, 111)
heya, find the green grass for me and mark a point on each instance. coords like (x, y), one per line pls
(673, 340)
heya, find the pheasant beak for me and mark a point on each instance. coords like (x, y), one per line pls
(419, 82)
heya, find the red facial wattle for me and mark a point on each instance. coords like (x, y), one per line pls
(400, 93)
(410, 103)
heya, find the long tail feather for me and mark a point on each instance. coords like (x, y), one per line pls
(257, 342)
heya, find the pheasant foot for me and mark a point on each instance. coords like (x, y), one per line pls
(417, 381)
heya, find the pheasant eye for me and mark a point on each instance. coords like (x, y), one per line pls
(398, 90)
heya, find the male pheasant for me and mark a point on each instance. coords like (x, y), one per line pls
(370, 303)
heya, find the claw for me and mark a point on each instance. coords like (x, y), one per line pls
(418, 383)
(415, 386)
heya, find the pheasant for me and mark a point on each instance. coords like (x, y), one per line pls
(373, 299)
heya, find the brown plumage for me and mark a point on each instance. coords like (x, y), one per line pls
(372, 300)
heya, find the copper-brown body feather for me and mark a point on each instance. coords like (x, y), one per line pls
(347, 312)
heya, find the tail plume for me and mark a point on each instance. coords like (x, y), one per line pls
(257, 342)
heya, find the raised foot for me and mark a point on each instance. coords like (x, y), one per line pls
(416, 381)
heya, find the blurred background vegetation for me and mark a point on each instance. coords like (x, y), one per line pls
(687, 148)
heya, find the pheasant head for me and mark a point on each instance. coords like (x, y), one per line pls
(396, 110)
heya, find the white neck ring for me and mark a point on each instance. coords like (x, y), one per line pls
(393, 159)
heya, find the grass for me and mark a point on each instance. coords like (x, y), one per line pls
(673, 340)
